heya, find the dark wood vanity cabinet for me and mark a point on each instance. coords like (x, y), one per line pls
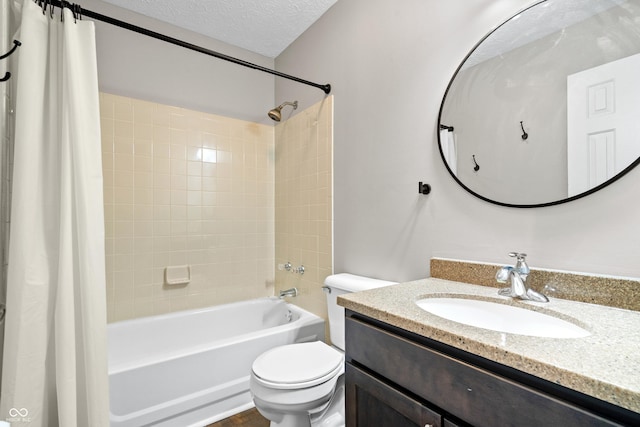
(372, 402)
(396, 378)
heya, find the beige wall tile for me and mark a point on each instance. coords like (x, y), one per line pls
(303, 203)
(154, 199)
(185, 187)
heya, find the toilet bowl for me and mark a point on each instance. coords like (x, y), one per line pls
(295, 383)
(302, 385)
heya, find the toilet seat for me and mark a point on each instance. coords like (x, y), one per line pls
(296, 366)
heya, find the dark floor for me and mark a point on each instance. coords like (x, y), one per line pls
(250, 418)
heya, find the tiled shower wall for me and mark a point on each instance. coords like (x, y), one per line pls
(304, 218)
(184, 188)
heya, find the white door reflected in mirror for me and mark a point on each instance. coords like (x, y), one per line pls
(603, 131)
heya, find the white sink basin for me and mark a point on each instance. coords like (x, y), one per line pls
(501, 317)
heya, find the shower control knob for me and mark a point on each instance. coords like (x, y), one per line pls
(286, 266)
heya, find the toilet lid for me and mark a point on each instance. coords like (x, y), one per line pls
(297, 363)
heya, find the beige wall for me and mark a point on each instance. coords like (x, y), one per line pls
(184, 187)
(389, 64)
(141, 67)
(304, 203)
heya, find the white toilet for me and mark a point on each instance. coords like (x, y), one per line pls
(301, 385)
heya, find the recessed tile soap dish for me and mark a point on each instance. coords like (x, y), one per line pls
(177, 275)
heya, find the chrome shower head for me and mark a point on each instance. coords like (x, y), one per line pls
(276, 113)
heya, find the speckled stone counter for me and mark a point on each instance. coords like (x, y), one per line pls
(605, 365)
(618, 292)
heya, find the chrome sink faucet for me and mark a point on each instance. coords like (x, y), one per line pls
(518, 277)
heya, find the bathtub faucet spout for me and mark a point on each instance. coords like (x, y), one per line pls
(293, 292)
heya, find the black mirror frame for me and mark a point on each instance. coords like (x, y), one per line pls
(495, 202)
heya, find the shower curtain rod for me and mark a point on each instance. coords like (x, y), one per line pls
(326, 88)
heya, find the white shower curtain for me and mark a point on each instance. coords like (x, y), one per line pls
(54, 367)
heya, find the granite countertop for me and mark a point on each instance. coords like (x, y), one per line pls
(605, 364)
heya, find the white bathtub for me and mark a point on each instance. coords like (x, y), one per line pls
(191, 368)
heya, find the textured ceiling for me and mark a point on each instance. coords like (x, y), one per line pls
(536, 22)
(266, 27)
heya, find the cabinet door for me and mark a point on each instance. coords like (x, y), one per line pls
(372, 403)
(469, 393)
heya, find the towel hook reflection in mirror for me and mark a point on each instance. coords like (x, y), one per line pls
(476, 168)
(525, 135)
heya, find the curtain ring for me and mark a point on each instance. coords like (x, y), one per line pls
(74, 11)
(77, 12)
(45, 4)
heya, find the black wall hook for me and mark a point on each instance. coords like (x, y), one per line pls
(424, 188)
(476, 168)
(16, 44)
(524, 134)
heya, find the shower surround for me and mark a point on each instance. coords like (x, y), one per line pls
(304, 202)
(186, 187)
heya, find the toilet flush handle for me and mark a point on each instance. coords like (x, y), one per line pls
(326, 289)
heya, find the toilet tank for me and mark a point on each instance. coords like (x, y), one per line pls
(345, 283)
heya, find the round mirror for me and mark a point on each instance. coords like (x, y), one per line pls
(546, 108)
